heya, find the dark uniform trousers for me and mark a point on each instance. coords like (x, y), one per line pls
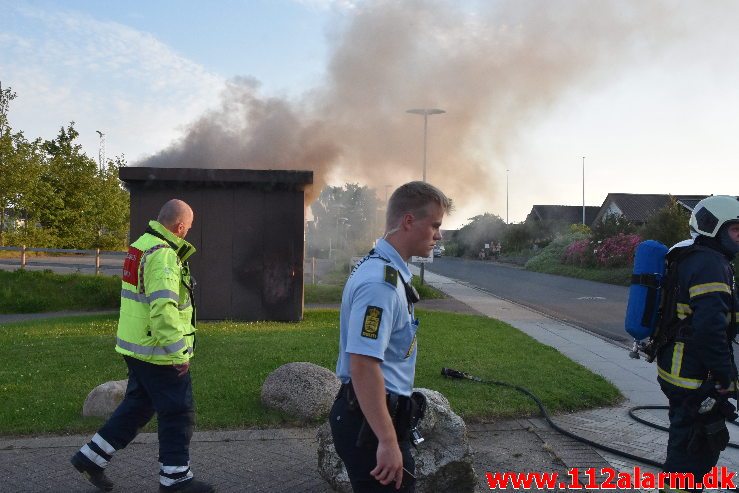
(682, 418)
(155, 388)
(359, 461)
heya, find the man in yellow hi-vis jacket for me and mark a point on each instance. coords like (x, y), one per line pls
(156, 335)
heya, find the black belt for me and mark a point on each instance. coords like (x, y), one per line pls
(394, 401)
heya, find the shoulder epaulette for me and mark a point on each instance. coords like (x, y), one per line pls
(391, 275)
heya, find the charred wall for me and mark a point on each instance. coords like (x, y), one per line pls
(248, 232)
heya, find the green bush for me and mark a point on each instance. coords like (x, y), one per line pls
(452, 250)
(668, 225)
(552, 254)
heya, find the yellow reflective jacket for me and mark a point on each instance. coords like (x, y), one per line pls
(157, 320)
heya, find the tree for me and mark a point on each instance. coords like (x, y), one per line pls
(485, 228)
(611, 225)
(111, 210)
(68, 176)
(517, 237)
(344, 218)
(20, 165)
(79, 205)
(62, 197)
(668, 225)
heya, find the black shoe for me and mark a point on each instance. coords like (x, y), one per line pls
(192, 486)
(96, 477)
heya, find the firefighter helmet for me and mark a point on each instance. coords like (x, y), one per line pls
(713, 212)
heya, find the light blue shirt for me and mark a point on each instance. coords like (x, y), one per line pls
(377, 319)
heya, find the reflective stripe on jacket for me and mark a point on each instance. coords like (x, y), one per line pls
(703, 308)
(156, 318)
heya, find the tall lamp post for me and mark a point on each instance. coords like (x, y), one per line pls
(506, 196)
(425, 112)
(583, 190)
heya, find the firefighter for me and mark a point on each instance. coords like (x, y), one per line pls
(696, 369)
(156, 336)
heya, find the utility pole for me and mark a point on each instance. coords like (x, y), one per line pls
(101, 151)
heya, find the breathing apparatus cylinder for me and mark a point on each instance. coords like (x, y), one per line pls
(645, 290)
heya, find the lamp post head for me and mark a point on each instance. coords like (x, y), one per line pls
(426, 111)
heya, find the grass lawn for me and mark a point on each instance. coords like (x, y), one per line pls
(50, 366)
(24, 291)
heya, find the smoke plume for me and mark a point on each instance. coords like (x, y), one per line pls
(493, 71)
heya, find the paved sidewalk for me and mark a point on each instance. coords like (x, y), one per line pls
(281, 460)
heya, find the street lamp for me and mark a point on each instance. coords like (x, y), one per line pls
(583, 190)
(425, 112)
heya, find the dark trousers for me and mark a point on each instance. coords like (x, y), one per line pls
(155, 388)
(359, 461)
(682, 419)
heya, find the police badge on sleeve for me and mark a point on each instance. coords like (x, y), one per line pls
(371, 323)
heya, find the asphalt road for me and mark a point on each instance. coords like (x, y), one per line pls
(67, 264)
(597, 307)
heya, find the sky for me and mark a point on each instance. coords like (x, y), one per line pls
(646, 91)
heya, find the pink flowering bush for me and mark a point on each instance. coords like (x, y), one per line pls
(617, 251)
(580, 254)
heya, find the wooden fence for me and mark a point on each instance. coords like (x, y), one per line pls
(97, 253)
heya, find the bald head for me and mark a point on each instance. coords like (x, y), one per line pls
(176, 216)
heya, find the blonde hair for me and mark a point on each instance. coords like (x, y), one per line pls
(413, 198)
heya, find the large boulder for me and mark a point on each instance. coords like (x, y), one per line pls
(104, 399)
(330, 466)
(443, 460)
(301, 389)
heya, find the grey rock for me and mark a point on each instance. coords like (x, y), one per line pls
(330, 466)
(443, 460)
(301, 389)
(104, 399)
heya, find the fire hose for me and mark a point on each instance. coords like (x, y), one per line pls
(450, 373)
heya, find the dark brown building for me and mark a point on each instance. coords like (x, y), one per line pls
(248, 232)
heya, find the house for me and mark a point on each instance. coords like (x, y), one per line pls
(13, 218)
(637, 207)
(567, 214)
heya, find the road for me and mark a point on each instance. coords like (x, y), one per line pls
(110, 264)
(597, 307)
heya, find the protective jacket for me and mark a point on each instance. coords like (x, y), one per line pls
(704, 328)
(157, 318)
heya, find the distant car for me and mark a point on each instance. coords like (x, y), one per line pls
(438, 251)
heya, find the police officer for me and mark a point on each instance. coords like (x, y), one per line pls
(156, 336)
(377, 344)
(698, 362)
